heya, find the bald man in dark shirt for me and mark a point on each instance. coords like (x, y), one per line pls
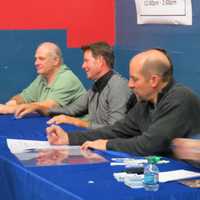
(165, 110)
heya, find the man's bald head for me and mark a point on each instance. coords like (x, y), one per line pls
(155, 61)
(52, 50)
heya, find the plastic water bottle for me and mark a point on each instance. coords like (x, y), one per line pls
(151, 174)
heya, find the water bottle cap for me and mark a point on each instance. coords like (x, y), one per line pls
(153, 159)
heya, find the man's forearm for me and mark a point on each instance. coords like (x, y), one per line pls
(43, 107)
(16, 100)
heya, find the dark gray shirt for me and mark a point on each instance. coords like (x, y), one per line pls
(149, 129)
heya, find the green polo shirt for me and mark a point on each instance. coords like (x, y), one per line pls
(65, 89)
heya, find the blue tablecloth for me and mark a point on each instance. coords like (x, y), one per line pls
(86, 181)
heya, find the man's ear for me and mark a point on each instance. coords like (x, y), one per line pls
(100, 60)
(57, 60)
(155, 80)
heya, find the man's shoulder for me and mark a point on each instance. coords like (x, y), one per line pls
(39, 79)
(182, 94)
(117, 78)
(67, 74)
(64, 67)
(180, 89)
(118, 85)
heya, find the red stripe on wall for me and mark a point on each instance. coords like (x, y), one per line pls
(85, 20)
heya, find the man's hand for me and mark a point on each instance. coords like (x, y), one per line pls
(59, 119)
(96, 144)
(57, 135)
(68, 120)
(25, 109)
(40, 107)
(7, 109)
(11, 102)
(188, 149)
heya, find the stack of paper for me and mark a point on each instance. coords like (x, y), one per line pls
(177, 175)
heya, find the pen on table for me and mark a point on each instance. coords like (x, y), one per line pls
(137, 163)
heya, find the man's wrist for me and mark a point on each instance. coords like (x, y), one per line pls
(66, 138)
(80, 122)
(106, 143)
(11, 102)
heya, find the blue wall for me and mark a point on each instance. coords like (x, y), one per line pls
(17, 58)
(182, 42)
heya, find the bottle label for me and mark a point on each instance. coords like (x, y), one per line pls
(151, 178)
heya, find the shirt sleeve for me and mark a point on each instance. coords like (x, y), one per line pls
(175, 116)
(77, 108)
(121, 129)
(31, 93)
(118, 96)
(172, 121)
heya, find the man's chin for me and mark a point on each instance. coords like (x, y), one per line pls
(39, 72)
(89, 78)
(140, 99)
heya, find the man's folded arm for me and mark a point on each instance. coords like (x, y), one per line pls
(15, 100)
(116, 130)
(171, 123)
(76, 108)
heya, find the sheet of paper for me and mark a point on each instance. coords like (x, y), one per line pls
(40, 153)
(164, 12)
(19, 146)
(177, 175)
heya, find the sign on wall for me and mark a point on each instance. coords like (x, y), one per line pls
(164, 12)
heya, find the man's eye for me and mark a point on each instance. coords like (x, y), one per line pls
(134, 79)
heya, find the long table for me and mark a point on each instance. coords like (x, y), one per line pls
(83, 182)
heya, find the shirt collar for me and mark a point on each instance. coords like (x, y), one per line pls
(102, 82)
(165, 89)
(161, 94)
(63, 68)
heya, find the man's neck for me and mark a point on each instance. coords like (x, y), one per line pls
(157, 92)
(103, 73)
(51, 76)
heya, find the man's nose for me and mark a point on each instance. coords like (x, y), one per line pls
(131, 84)
(83, 66)
(36, 62)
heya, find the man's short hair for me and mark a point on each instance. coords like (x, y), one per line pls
(165, 70)
(54, 50)
(164, 51)
(101, 49)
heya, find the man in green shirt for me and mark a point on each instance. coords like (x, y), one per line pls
(55, 85)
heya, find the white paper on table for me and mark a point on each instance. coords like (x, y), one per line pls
(41, 153)
(19, 146)
(176, 175)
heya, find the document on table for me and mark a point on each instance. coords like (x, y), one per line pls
(19, 146)
(177, 175)
(41, 153)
